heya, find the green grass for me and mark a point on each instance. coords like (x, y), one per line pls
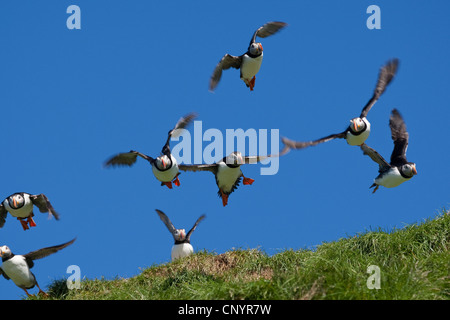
(414, 262)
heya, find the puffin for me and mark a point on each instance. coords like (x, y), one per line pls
(250, 62)
(20, 205)
(227, 172)
(17, 267)
(182, 247)
(164, 167)
(399, 169)
(359, 129)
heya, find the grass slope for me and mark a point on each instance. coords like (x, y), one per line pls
(414, 263)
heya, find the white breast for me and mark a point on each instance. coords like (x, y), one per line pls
(391, 179)
(22, 212)
(17, 269)
(250, 67)
(226, 176)
(181, 250)
(359, 139)
(168, 175)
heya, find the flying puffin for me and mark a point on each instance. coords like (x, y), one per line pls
(227, 172)
(164, 167)
(248, 63)
(399, 169)
(20, 205)
(359, 129)
(17, 267)
(182, 247)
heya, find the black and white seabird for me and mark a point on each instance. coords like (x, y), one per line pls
(164, 167)
(399, 169)
(20, 205)
(182, 247)
(248, 63)
(227, 172)
(17, 267)
(359, 129)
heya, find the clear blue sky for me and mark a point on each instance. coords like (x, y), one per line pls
(72, 98)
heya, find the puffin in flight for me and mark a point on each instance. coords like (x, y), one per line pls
(20, 205)
(399, 169)
(227, 172)
(248, 63)
(17, 267)
(359, 129)
(164, 167)
(182, 247)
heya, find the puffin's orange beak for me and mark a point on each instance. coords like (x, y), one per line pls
(414, 169)
(164, 163)
(260, 46)
(354, 126)
(14, 202)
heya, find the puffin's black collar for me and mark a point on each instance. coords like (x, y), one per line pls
(8, 257)
(402, 174)
(184, 241)
(357, 133)
(252, 55)
(168, 168)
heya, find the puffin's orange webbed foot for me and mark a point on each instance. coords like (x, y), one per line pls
(177, 181)
(252, 83)
(248, 181)
(31, 222)
(24, 224)
(168, 184)
(224, 198)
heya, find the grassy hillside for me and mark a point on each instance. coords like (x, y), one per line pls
(414, 263)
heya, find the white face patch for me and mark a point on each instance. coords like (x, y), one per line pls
(357, 124)
(181, 234)
(4, 250)
(255, 48)
(16, 201)
(408, 170)
(163, 162)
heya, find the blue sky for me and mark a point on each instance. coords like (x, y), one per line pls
(72, 98)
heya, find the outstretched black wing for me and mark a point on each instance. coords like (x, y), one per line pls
(126, 159)
(176, 131)
(188, 235)
(400, 137)
(291, 144)
(41, 201)
(385, 76)
(3, 214)
(268, 29)
(44, 252)
(228, 61)
(199, 167)
(167, 222)
(375, 156)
